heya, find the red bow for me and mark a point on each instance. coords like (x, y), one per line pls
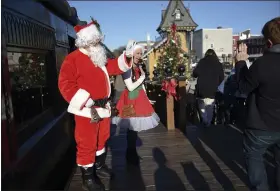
(173, 27)
(170, 88)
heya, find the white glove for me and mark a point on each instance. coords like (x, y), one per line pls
(129, 48)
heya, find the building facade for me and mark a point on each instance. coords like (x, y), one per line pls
(146, 44)
(178, 14)
(235, 39)
(254, 42)
(220, 40)
(256, 46)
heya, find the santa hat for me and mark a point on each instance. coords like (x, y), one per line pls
(89, 33)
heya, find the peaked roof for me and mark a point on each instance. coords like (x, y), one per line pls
(155, 46)
(168, 16)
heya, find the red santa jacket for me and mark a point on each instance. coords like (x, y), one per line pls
(80, 82)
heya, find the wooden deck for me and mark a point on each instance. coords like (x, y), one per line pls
(205, 159)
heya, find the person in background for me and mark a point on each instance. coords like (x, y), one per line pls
(234, 101)
(119, 87)
(261, 82)
(239, 105)
(225, 99)
(209, 73)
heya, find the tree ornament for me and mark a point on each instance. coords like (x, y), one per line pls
(155, 72)
(181, 69)
(171, 62)
(168, 71)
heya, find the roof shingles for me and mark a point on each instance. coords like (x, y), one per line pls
(168, 18)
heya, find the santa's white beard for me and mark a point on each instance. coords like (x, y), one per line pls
(97, 55)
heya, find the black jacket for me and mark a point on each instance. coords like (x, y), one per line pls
(209, 73)
(262, 85)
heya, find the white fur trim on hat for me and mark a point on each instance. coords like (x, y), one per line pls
(90, 34)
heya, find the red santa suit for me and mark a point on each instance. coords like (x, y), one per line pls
(81, 81)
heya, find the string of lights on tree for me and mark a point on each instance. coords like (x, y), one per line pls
(172, 60)
(30, 72)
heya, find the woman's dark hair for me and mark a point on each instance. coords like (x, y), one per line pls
(133, 75)
(271, 30)
(212, 53)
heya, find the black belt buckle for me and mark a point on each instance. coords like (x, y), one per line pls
(101, 102)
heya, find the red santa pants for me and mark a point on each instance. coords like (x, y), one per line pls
(91, 139)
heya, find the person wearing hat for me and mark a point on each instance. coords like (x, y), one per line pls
(84, 83)
(136, 113)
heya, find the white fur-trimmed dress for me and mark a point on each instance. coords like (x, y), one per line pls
(135, 95)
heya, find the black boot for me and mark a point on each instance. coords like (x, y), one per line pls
(102, 170)
(91, 182)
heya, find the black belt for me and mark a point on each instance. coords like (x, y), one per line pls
(101, 102)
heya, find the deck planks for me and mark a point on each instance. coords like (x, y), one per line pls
(205, 159)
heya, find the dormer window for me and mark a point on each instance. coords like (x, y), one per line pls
(177, 14)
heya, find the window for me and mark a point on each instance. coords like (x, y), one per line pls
(255, 41)
(30, 94)
(177, 14)
(254, 50)
(61, 52)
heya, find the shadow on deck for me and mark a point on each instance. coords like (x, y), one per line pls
(203, 159)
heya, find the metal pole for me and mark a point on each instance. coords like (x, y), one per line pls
(148, 49)
(191, 35)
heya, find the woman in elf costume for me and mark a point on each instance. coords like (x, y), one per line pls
(135, 110)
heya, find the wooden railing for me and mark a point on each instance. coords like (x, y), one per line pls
(172, 112)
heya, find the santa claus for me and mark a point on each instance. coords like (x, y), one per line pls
(84, 83)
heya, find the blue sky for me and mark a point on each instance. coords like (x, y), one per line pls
(124, 20)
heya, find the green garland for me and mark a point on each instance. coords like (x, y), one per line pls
(172, 56)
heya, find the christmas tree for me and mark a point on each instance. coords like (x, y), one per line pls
(30, 73)
(172, 57)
